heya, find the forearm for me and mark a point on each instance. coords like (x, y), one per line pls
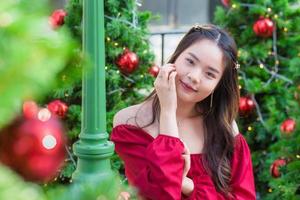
(168, 123)
(187, 186)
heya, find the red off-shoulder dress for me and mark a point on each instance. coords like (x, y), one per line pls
(155, 166)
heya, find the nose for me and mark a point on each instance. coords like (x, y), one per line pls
(195, 76)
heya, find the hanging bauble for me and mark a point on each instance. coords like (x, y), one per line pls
(288, 126)
(274, 169)
(57, 18)
(58, 107)
(34, 148)
(128, 61)
(154, 70)
(246, 105)
(263, 27)
(225, 2)
(30, 109)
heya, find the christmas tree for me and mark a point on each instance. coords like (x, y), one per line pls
(267, 35)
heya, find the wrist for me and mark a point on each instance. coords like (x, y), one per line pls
(168, 124)
(168, 111)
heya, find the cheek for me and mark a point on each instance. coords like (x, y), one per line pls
(180, 68)
(206, 89)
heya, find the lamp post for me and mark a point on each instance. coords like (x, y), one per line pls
(93, 149)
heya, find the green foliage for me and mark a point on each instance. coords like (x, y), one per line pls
(13, 187)
(270, 72)
(31, 54)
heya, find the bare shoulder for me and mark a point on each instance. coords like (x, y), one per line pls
(235, 128)
(124, 115)
(131, 115)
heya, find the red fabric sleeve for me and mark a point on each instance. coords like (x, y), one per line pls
(155, 168)
(242, 181)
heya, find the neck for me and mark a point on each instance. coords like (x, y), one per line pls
(186, 110)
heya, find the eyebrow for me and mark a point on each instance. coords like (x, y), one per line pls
(209, 67)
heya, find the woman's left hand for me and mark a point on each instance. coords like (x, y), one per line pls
(124, 196)
(187, 160)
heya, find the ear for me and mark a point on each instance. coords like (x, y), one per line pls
(235, 128)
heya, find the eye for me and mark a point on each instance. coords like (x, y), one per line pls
(190, 61)
(211, 74)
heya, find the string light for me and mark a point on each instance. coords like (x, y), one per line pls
(116, 44)
(108, 39)
(249, 128)
(240, 87)
(285, 29)
(297, 156)
(142, 76)
(277, 62)
(239, 77)
(239, 53)
(270, 190)
(233, 6)
(269, 9)
(275, 16)
(106, 67)
(261, 65)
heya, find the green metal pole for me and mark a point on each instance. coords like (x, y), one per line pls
(93, 150)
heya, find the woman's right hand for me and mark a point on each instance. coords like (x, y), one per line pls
(166, 88)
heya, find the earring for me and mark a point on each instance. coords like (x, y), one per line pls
(211, 99)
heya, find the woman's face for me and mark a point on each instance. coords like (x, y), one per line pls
(201, 67)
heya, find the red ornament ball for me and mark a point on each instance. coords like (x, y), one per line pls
(288, 126)
(33, 148)
(263, 27)
(225, 2)
(58, 107)
(30, 109)
(274, 169)
(128, 61)
(246, 105)
(154, 70)
(57, 18)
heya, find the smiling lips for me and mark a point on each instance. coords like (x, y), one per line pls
(188, 86)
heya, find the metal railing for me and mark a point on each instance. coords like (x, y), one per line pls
(163, 34)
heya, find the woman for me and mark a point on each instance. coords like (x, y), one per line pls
(188, 146)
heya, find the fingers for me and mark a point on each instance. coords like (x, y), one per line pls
(124, 196)
(172, 79)
(187, 159)
(164, 73)
(186, 149)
